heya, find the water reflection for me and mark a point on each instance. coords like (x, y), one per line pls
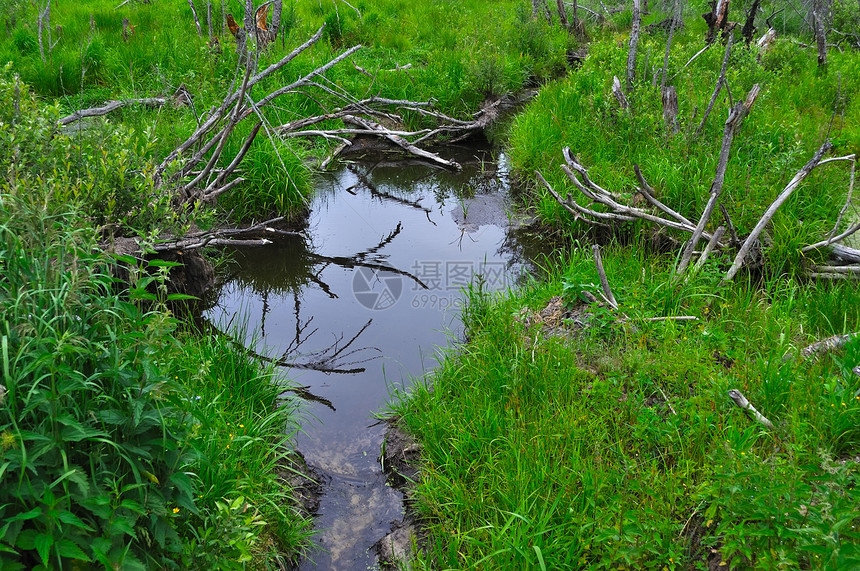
(373, 287)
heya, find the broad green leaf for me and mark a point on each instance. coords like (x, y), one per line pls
(43, 543)
(27, 539)
(180, 297)
(68, 549)
(163, 264)
(73, 520)
(33, 513)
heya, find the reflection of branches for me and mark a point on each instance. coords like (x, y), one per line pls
(335, 358)
(384, 242)
(332, 359)
(305, 393)
(351, 263)
(365, 259)
(364, 181)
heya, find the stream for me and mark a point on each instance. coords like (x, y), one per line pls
(369, 294)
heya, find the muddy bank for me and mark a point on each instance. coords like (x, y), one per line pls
(400, 459)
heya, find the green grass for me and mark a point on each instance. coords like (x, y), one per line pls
(620, 448)
(125, 441)
(485, 49)
(787, 124)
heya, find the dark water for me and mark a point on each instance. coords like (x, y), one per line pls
(307, 297)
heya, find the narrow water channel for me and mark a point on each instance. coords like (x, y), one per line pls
(387, 252)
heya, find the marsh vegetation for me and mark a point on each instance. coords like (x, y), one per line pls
(566, 431)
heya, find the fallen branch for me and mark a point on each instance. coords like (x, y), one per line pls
(712, 243)
(827, 345)
(404, 144)
(112, 105)
(742, 403)
(733, 123)
(604, 282)
(618, 212)
(771, 211)
(721, 81)
(225, 237)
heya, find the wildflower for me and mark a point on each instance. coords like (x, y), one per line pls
(7, 440)
(241, 426)
(176, 510)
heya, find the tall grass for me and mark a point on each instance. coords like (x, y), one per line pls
(798, 107)
(619, 447)
(485, 49)
(117, 438)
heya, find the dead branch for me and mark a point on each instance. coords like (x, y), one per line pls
(742, 403)
(845, 254)
(733, 123)
(712, 243)
(634, 43)
(696, 55)
(110, 106)
(827, 345)
(604, 282)
(846, 270)
(404, 144)
(736, 243)
(848, 197)
(225, 237)
(771, 211)
(618, 211)
(721, 80)
(196, 19)
(832, 240)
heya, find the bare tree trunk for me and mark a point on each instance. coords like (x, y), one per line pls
(819, 9)
(670, 108)
(634, 43)
(716, 19)
(562, 14)
(749, 27)
(47, 23)
(277, 8)
(209, 19)
(44, 20)
(676, 21)
(196, 19)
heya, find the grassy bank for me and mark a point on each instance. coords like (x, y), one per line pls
(799, 106)
(546, 446)
(563, 435)
(456, 53)
(126, 441)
